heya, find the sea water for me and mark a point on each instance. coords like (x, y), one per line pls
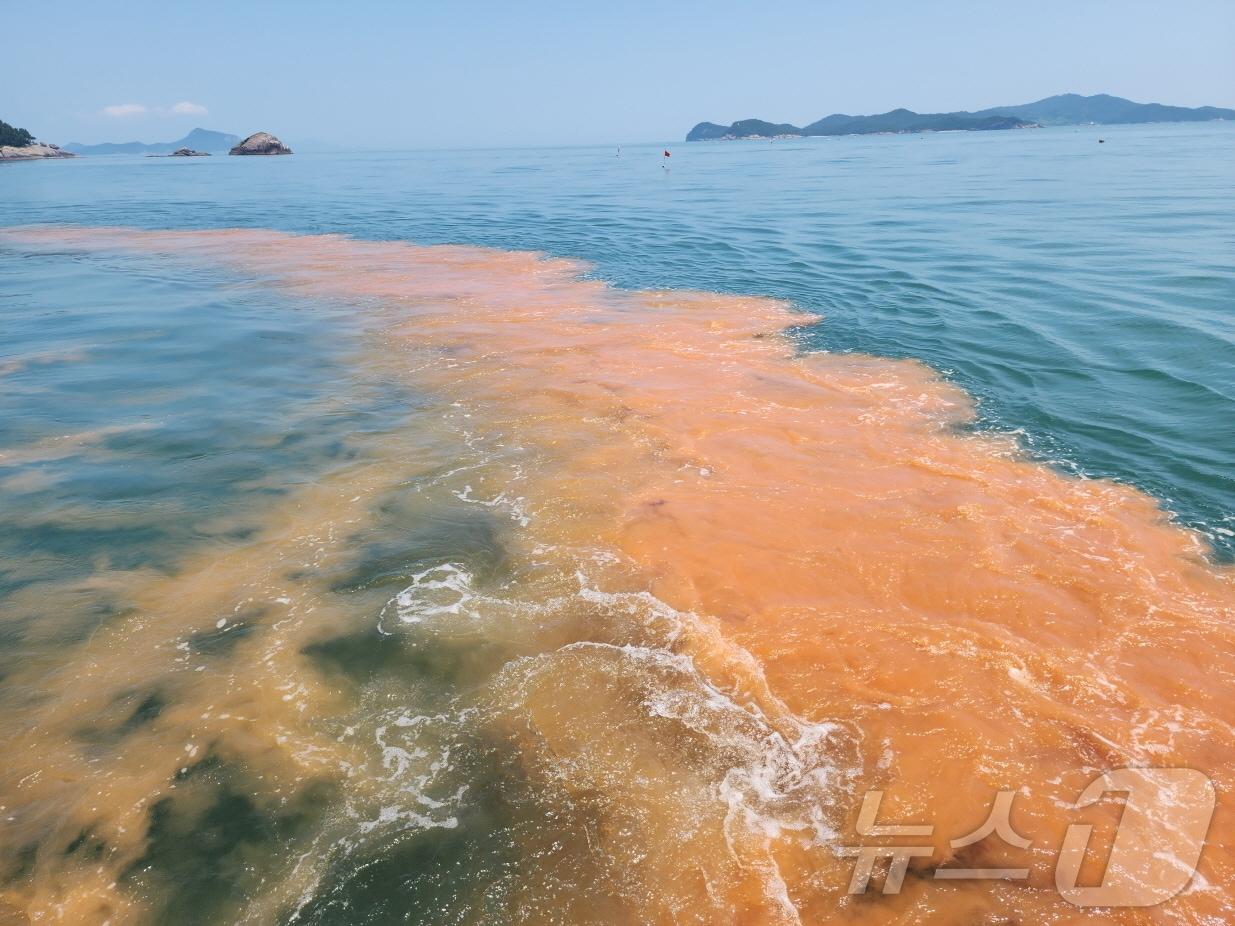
(379, 578)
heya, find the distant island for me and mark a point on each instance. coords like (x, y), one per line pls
(197, 140)
(19, 145)
(1065, 109)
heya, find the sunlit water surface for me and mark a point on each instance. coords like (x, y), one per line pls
(390, 584)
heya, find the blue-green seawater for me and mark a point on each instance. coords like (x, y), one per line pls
(1084, 293)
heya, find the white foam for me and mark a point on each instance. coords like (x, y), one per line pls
(445, 589)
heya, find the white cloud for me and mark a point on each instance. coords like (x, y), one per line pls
(183, 108)
(125, 109)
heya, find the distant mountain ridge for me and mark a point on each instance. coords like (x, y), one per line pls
(1065, 109)
(198, 140)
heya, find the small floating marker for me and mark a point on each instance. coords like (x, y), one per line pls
(1101, 141)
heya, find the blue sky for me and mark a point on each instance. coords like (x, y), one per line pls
(476, 73)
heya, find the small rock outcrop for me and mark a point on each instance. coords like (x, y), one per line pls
(188, 153)
(261, 143)
(30, 152)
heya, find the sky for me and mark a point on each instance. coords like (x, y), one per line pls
(371, 74)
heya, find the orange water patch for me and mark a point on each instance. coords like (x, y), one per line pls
(861, 596)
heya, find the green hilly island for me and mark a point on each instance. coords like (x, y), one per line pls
(1065, 109)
